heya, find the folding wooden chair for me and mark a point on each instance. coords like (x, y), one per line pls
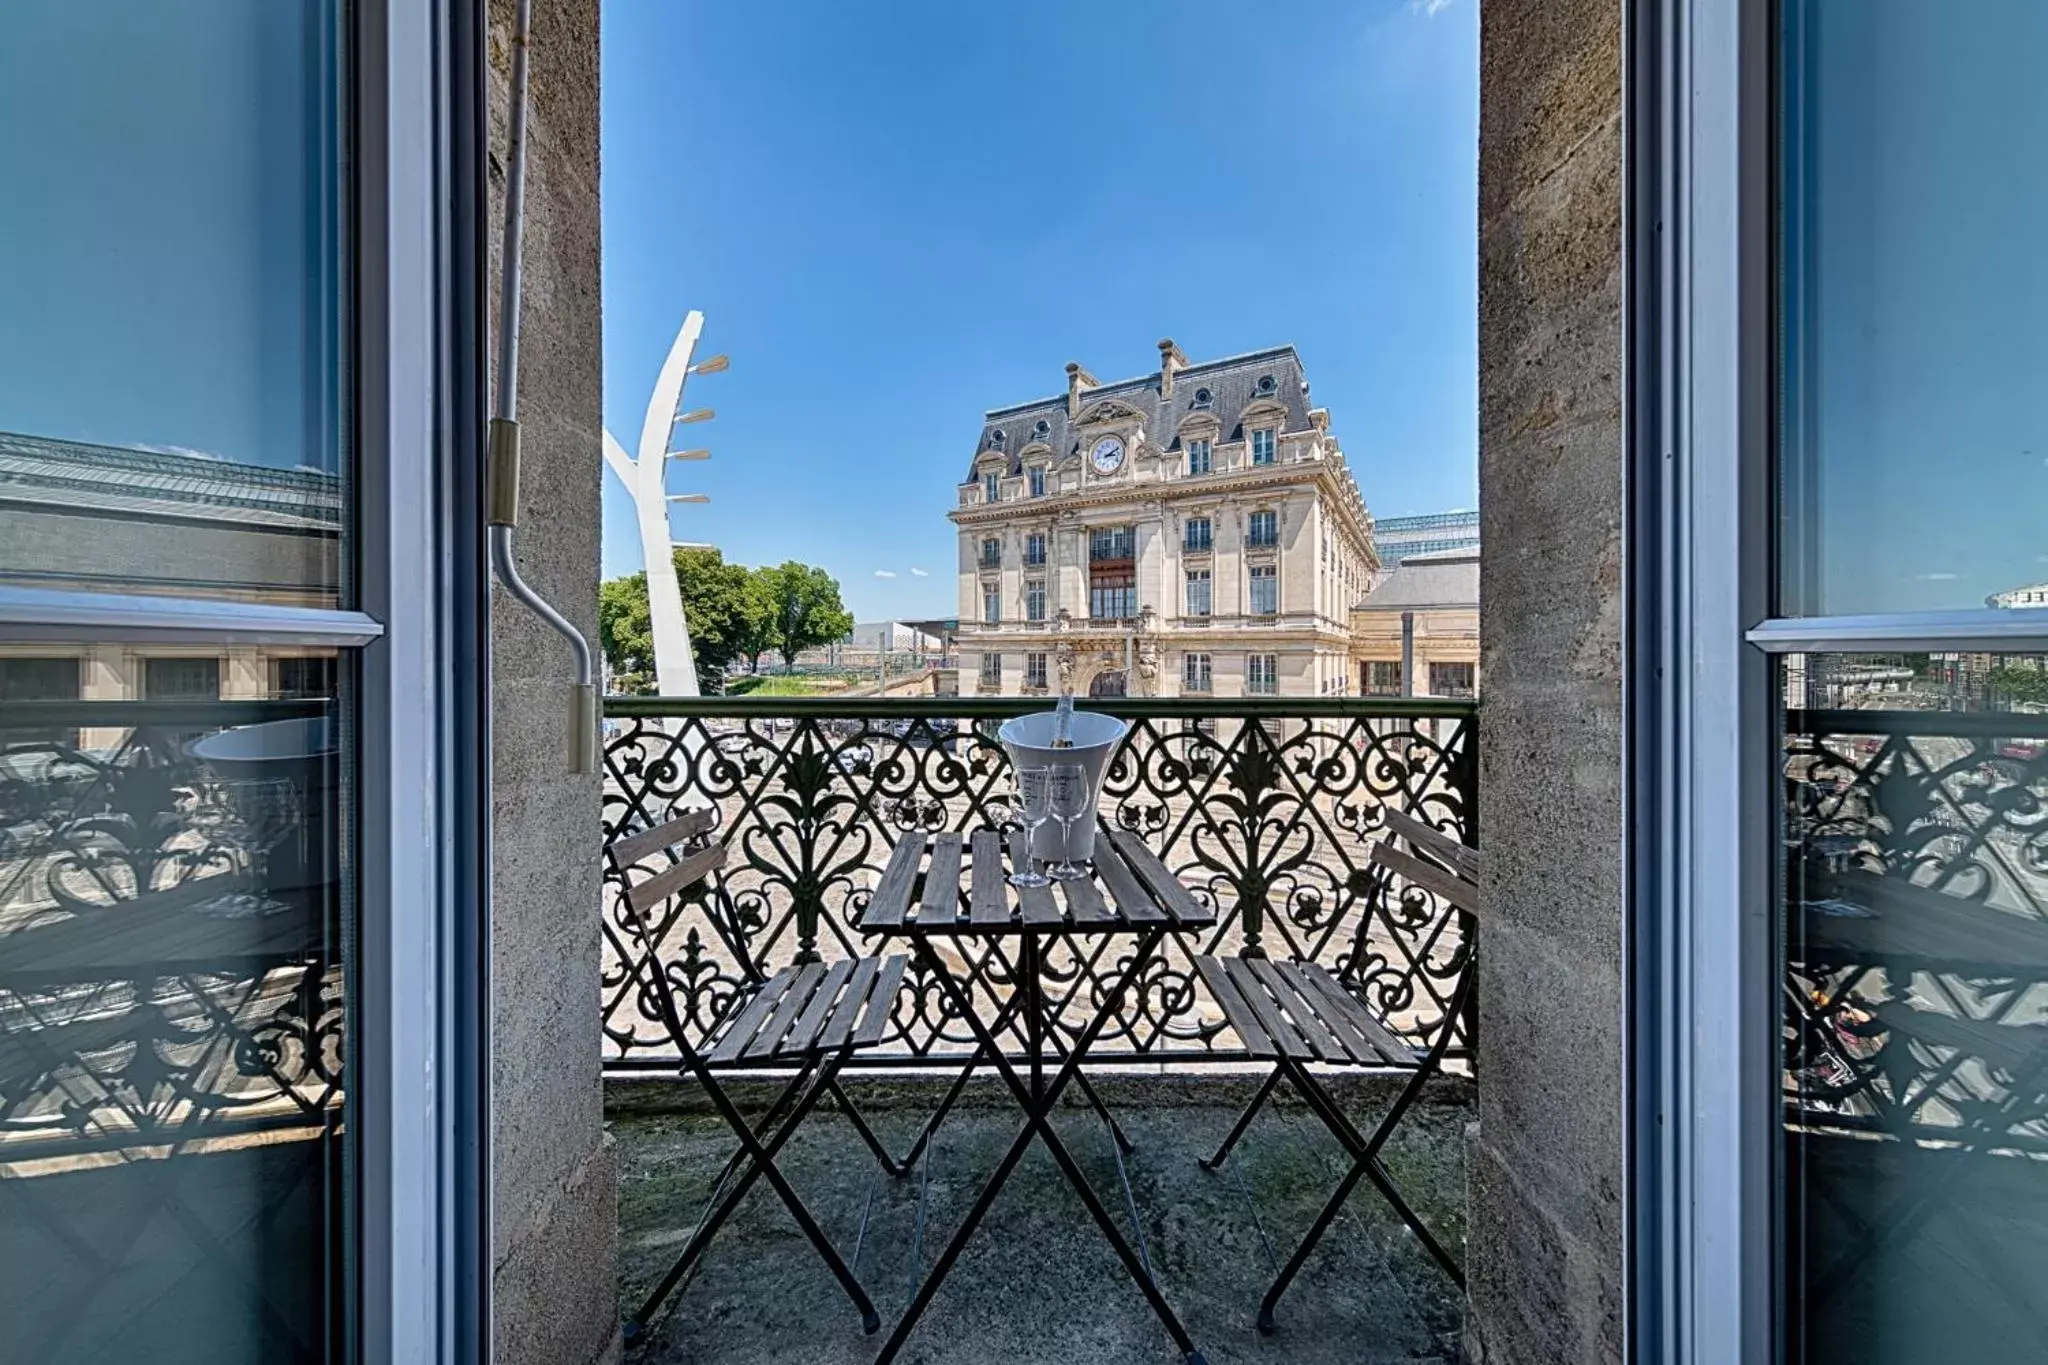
(1298, 1014)
(812, 1016)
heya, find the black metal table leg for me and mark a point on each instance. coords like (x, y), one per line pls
(1038, 1100)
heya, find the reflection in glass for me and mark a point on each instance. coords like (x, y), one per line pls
(171, 1030)
(1914, 442)
(173, 366)
(1915, 1066)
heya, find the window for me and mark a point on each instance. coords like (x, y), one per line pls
(180, 679)
(1199, 458)
(1198, 536)
(1110, 543)
(1034, 599)
(991, 604)
(991, 670)
(1263, 532)
(1112, 594)
(1194, 673)
(302, 677)
(991, 487)
(1380, 677)
(1034, 670)
(1449, 679)
(1262, 446)
(39, 680)
(1037, 477)
(1034, 549)
(1262, 674)
(1265, 581)
(1198, 592)
(991, 553)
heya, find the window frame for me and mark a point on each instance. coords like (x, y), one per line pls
(1034, 669)
(1207, 540)
(1035, 480)
(419, 1001)
(1034, 599)
(991, 487)
(991, 604)
(1200, 681)
(1034, 550)
(1262, 682)
(1254, 576)
(991, 663)
(1270, 442)
(1208, 454)
(1208, 581)
(1252, 539)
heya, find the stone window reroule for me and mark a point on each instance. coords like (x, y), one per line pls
(1198, 592)
(991, 605)
(1037, 476)
(991, 487)
(1198, 535)
(991, 553)
(1034, 548)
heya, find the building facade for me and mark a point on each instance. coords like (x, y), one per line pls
(1195, 531)
(1416, 634)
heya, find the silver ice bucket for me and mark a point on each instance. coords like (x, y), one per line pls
(1028, 741)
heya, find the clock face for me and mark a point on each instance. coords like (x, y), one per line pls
(1108, 455)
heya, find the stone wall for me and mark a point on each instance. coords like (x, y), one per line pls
(1547, 1214)
(553, 1211)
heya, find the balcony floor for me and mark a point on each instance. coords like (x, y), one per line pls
(1038, 1285)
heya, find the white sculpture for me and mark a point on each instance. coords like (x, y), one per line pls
(675, 670)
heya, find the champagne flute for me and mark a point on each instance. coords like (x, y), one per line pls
(1070, 805)
(1034, 808)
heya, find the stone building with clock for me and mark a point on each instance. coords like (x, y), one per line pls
(1192, 531)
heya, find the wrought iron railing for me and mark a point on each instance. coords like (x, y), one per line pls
(1267, 808)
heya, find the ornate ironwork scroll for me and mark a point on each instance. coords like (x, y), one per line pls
(1266, 808)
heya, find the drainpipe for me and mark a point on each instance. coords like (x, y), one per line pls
(1407, 653)
(503, 440)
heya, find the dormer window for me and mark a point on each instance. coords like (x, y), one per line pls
(1199, 459)
(995, 438)
(1203, 398)
(1267, 384)
(1037, 476)
(991, 486)
(1042, 430)
(1263, 446)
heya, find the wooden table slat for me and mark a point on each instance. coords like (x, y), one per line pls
(1035, 904)
(989, 900)
(765, 1039)
(1177, 900)
(742, 1030)
(846, 1013)
(941, 900)
(1085, 903)
(1133, 902)
(881, 1002)
(892, 893)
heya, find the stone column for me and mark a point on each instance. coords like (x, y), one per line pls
(554, 1221)
(1544, 1257)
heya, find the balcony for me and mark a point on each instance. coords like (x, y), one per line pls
(1266, 809)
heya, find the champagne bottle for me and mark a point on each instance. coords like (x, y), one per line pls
(1063, 722)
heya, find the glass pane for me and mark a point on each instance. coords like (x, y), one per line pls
(172, 370)
(1914, 441)
(1915, 1066)
(171, 1008)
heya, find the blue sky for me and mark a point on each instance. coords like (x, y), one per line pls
(897, 215)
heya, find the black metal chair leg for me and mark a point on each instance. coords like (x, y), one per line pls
(1308, 1245)
(1244, 1121)
(1116, 1130)
(762, 1167)
(867, 1134)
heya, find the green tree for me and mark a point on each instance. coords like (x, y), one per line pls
(726, 608)
(805, 608)
(625, 632)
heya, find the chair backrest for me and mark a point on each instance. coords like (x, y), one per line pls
(689, 868)
(1462, 859)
